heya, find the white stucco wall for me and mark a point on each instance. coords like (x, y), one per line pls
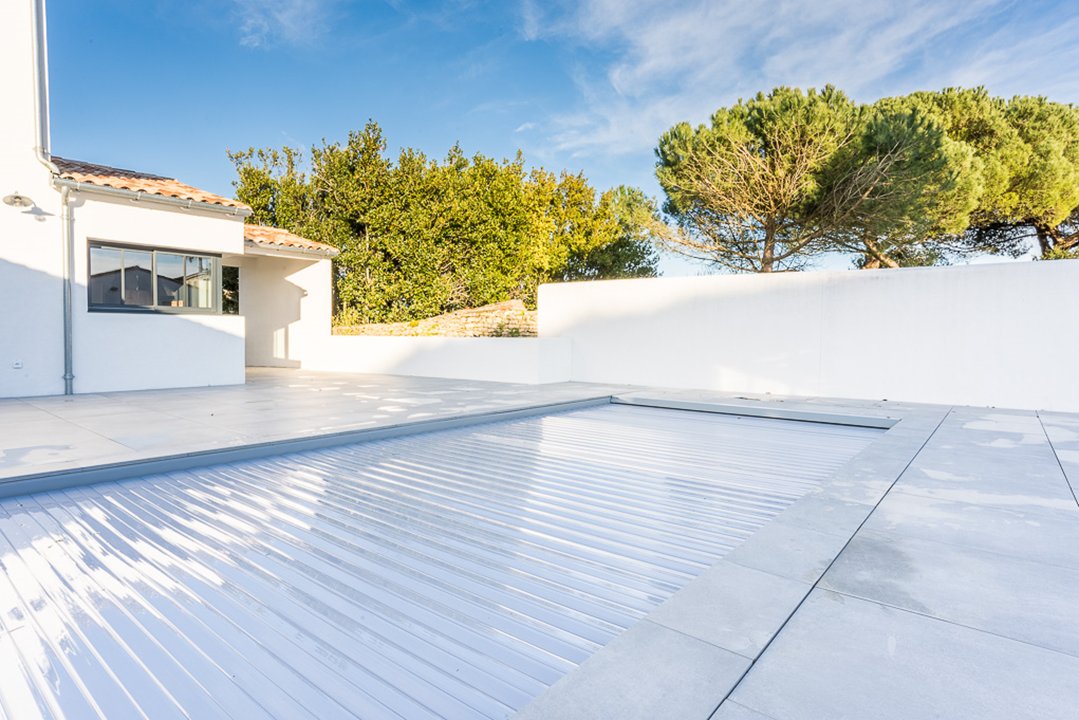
(117, 351)
(138, 222)
(287, 304)
(31, 312)
(31, 316)
(134, 351)
(111, 351)
(515, 360)
(991, 335)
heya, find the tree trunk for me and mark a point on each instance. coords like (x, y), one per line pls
(367, 254)
(1052, 241)
(1045, 240)
(768, 255)
(875, 257)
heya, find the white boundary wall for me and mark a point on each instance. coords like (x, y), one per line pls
(514, 360)
(1000, 334)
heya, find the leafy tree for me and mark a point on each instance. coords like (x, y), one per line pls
(746, 190)
(1047, 183)
(916, 180)
(901, 191)
(272, 185)
(1025, 168)
(419, 237)
(632, 252)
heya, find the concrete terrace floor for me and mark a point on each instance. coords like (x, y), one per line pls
(937, 576)
(48, 434)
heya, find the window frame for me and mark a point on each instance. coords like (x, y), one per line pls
(154, 308)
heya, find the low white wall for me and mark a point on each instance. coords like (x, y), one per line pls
(992, 335)
(128, 351)
(514, 360)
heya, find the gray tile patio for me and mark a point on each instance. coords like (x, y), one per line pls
(614, 684)
(732, 607)
(956, 598)
(844, 658)
(49, 434)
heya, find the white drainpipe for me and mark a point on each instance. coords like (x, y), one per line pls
(41, 86)
(67, 239)
(41, 149)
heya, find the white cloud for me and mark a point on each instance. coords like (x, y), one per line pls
(675, 60)
(525, 127)
(296, 22)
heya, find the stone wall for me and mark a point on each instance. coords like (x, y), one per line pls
(504, 319)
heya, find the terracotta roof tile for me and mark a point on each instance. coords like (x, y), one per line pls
(105, 176)
(276, 238)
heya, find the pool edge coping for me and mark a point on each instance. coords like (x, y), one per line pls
(127, 469)
(596, 689)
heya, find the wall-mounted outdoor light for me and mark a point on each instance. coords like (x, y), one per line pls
(28, 206)
(17, 200)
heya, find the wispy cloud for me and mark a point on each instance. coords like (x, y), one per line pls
(525, 127)
(662, 62)
(530, 19)
(296, 22)
(1015, 60)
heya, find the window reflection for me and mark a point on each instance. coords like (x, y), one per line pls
(199, 282)
(170, 280)
(138, 277)
(128, 277)
(105, 278)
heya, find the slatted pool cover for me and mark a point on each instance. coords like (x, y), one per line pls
(454, 574)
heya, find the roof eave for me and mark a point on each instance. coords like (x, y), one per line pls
(252, 247)
(143, 196)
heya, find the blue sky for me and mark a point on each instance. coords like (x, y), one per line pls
(167, 85)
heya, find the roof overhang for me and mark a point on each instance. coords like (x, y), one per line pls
(141, 196)
(267, 250)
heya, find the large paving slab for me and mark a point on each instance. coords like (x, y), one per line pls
(844, 658)
(1040, 535)
(985, 501)
(1063, 431)
(1027, 601)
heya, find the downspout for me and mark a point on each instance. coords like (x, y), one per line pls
(66, 238)
(41, 87)
(41, 150)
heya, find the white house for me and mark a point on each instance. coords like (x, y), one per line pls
(112, 279)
